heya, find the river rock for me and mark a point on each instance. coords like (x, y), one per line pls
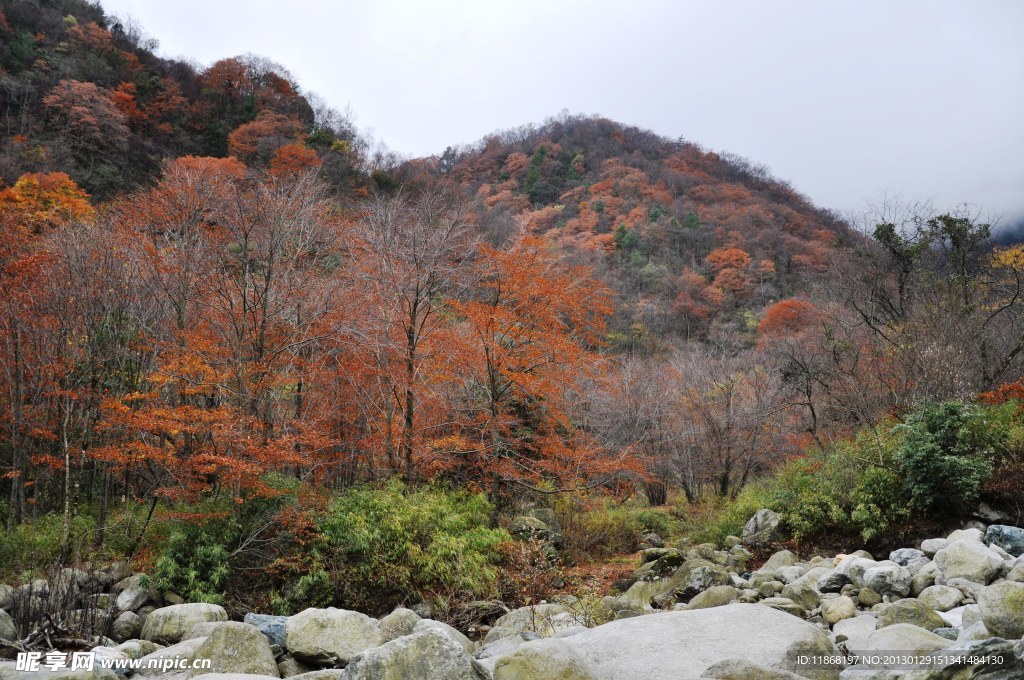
(888, 580)
(1010, 539)
(443, 628)
(7, 629)
(428, 653)
(235, 647)
(715, 596)
(271, 626)
(681, 645)
(330, 636)
(126, 626)
(910, 611)
(764, 528)
(543, 659)
(941, 598)
(1002, 609)
(170, 624)
(968, 559)
(740, 669)
(901, 637)
(398, 623)
(838, 609)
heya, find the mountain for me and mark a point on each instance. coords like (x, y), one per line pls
(688, 238)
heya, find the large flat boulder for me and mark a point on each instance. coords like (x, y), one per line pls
(234, 647)
(170, 624)
(968, 559)
(330, 636)
(1002, 609)
(429, 653)
(681, 645)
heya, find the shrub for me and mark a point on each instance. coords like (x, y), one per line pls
(381, 546)
(598, 527)
(945, 454)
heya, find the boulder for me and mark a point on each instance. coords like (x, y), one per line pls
(970, 534)
(900, 637)
(941, 598)
(931, 546)
(868, 597)
(426, 653)
(764, 528)
(444, 629)
(1010, 539)
(910, 611)
(330, 636)
(715, 596)
(833, 582)
(740, 669)
(783, 558)
(653, 540)
(992, 659)
(398, 623)
(837, 609)
(7, 629)
(136, 649)
(169, 624)
(151, 663)
(126, 626)
(1002, 609)
(888, 580)
(968, 559)
(681, 645)
(291, 667)
(235, 647)
(855, 630)
(6, 596)
(543, 659)
(543, 619)
(271, 626)
(912, 559)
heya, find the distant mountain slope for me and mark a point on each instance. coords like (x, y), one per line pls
(83, 93)
(690, 239)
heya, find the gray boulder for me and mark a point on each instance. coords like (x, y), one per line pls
(1002, 609)
(910, 611)
(741, 669)
(1010, 539)
(170, 624)
(681, 645)
(444, 629)
(542, 659)
(931, 546)
(7, 629)
(6, 596)
(126, 626)
(941, 598)
(398, 623)
(888, 580)
(991, 659)
(271, 626)
(764, 528)
(424, 654)
(543, 619)
(968, 559)
(900, 637)
(237, 648)
(330, 636)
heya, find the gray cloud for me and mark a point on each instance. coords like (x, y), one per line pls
(846, 100)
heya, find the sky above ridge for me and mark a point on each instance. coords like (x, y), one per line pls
(850, 102)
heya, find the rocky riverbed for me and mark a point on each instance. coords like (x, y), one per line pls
(953, 606)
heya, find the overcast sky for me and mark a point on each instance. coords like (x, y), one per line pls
(847, 100)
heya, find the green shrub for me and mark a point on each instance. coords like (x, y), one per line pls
(655, 521)
(728, 515)
(945, 454)
(598, 527)
(195, 565)
(381, 546)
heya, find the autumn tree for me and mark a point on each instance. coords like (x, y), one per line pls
(415, 247)
(531, 331)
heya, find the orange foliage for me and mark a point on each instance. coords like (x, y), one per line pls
(727, 258)
(787, 317)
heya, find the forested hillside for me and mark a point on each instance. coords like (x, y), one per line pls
(241, 345)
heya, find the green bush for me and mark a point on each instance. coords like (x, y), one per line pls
(945, 454)
(728, 515)
(381, 546)
(598, 527)
(655, 521)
